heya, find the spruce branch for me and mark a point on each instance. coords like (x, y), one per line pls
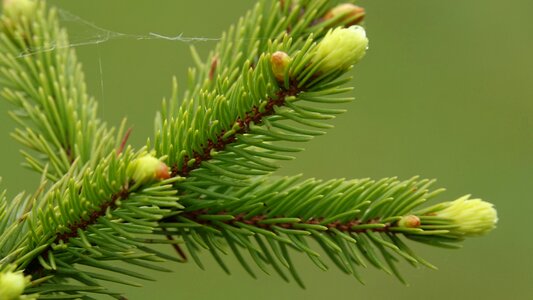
(348, 219)
(207, 184)
(233, 127)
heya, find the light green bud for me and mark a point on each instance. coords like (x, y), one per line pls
(341, 48)
(474, 217)
(15, 9)
(12, 285)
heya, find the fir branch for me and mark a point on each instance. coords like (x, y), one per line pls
(79, 222)
(341, 216)
(107, 203)
(231, 131)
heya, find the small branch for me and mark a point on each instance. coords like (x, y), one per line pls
(34, 267)
(256, 221)
(254, 115)
(72, 230)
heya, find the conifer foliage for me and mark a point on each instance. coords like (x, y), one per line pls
(204, 182)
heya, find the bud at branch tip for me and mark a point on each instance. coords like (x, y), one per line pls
(341, 48)
(473, 217)
(12, 285)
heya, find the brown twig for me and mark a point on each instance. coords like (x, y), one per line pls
(254, 115)
(256, 221)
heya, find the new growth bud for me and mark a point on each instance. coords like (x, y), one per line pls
(12, 285)
(473, 217)
(341, 48)
(147, 169)
(15, 9)
(280, 62)
(410, 221)
(346, 12)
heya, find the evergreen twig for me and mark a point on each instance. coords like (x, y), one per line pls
(270, 82)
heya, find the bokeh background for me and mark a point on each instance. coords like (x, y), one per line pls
(445, 92)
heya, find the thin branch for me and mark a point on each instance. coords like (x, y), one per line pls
(253, 115)
(352, 226)
(72, 230)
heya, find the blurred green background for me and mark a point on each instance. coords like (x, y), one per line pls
(445, 92)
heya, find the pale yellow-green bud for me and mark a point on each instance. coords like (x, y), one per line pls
(280, 62)
(147, 168)
(410, 221)
(12, 285)
(341, 48)
(472, 216)
(15, 9)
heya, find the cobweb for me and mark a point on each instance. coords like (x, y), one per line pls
(85, 33)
